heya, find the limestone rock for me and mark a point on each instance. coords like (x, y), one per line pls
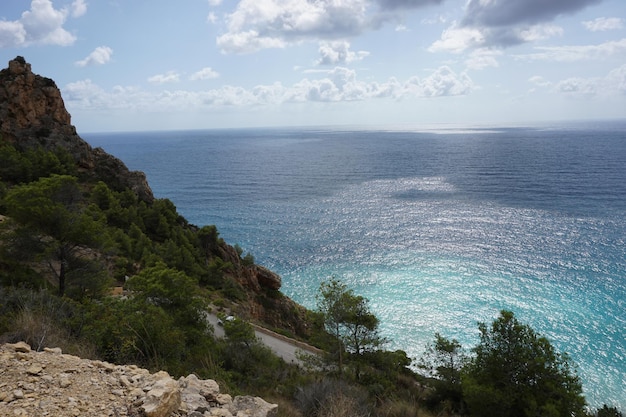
(197, 395)
(163, 399)
(19, 347)
(247, 406)
(38, 383)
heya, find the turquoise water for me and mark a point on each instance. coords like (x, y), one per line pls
(439, 229)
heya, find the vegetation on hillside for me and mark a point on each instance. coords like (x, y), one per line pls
(67, 239)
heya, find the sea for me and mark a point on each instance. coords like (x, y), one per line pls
(439, 227)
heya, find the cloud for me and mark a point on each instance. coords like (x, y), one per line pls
(483, 58)
(101, 55)
(215, 2)
(211, 18)
(613, 83)
(333, 86)
(168, 77)
(576, 52)
(442, 82)
(263, 24)
(79, 8)
(601, 24)
(206, 73)
(500, 13)
(505, 23)
(539, 81)
(458, 39)
(338, 53)
(41, 25)
(405, 4)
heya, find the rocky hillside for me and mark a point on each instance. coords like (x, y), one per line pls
(33, 114)
(51, 383)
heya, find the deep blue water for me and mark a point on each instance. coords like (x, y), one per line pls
(439, 229)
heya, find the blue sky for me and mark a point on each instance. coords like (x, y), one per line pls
(193, 64)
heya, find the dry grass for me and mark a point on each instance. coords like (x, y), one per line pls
(39, 330)
(340, 405)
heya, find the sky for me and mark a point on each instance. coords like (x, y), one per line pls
(131, 65)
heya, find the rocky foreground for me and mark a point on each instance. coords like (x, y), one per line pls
(51, 383)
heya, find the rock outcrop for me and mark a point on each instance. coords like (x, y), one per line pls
(32, 113)
(51, 383)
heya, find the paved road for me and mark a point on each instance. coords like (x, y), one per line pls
(282, 346)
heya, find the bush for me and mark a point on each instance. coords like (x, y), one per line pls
(332, 398)
(515, 373)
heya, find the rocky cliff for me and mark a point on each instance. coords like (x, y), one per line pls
(32, 113)
(51, 383)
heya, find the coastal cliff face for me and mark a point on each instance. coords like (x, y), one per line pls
(32, 114)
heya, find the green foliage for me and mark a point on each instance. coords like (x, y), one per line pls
(209, 239)
(248, 260)
(348, 319)
(443, 361)
(239, 333)
(41, 319)
(54, 224)
(607, 411)
(515, 372)
(169, 289)
(214, 275)
(25, 166)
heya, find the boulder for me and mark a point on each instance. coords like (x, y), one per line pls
(163, 399)
(248, 406)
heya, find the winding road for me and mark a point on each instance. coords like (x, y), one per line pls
(282, 346)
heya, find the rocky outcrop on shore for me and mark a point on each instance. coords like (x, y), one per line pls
(50, 383)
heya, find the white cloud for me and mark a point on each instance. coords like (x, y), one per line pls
(206, 73)
(12, 34)
(538, 32)
(258, 24)
(41, 25)
(576, 52)
(79, 8)
(168, 77)
(337, 85)
(504, 23)
(86, 95)
(405, 4)
(483, 58)
(613, 83)
(101, 55)
(248, 41)
(211, 18)
(338, 53)
(442, 82)
(458, 39)
(539, 81)
(215, 2)
(603, 24)
(578, 86)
